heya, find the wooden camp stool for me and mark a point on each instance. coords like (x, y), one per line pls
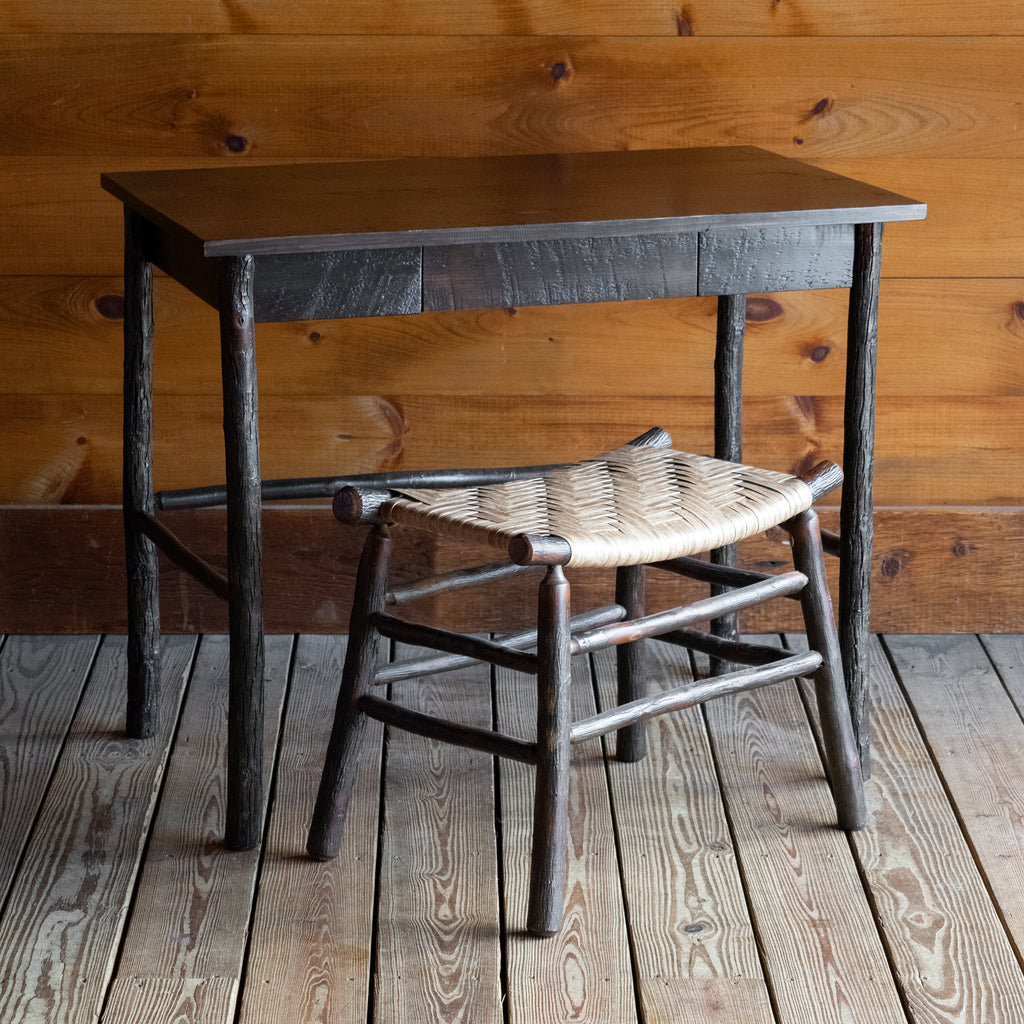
(643, 504)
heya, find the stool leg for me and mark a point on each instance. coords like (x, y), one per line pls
(550, 816)
(361, 660)
(630, 592)
(830, 688)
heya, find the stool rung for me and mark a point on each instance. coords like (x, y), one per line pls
(700, 611)
(453, 643)
(738, 651)
(417, 722)
(708, 572)
(695, 693)
(456, 580)
(398, 671)
(832, 543)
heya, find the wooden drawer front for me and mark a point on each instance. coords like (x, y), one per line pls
(776, 259)
(328, 285)
(560, 271)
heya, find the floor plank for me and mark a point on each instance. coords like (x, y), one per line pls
(1007, 655)
(195, 896)
(62, 925)
(41, 680)
(823, 957)
(583, 972)
(948, 947)
(692, 938)
(309, 959)
(439, 956)
(977, 737)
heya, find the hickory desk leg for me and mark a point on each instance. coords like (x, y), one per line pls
(245, 555)
(732, 316)
(141, 567)
(856, 523)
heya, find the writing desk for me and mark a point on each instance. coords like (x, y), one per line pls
(317, 241)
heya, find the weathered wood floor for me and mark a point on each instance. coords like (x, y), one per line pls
(707, 883)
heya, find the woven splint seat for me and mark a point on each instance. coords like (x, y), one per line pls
(640, 505)
(631, 506)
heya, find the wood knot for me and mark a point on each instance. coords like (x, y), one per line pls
(110, 307)
(819, 353)
(560, 70)
(236, 143)
(684, 23)
(760, 309)
(892, 564)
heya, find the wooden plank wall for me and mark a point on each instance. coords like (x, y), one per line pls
(923, 99)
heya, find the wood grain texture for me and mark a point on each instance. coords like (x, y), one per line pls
(771, 259)
(327, 285)
(965, 208)
(65, 914)
(933, 568)
(911, 97)
(309, 956)
(181, 1000)
(948, 947)
(689, 923)
(560, 272)
(936, 337)
(581, 972)
(820, 955)
(1007, 654)
(193, 888)
(540, 17)
(438, 956)
(979, 730)
(41, 680)
(67, 450)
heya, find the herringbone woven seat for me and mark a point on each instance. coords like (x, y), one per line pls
(629, 506)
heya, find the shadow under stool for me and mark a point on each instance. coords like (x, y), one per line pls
(641, 505)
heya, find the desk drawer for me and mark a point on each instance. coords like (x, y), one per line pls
(329, 285)
(774, 259)
(565, 270)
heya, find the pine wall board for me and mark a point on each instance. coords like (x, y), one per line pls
(923, 99)
(535, 17)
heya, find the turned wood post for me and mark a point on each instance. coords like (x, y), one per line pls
(551, 799)
(141, 568)
(731, 326)
(630, 592)
(856, 521)
(245, 555)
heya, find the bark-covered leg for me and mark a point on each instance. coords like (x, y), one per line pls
(142, 569)
(833, 704)
(361, 661)
(631, 741)
(550, 820)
